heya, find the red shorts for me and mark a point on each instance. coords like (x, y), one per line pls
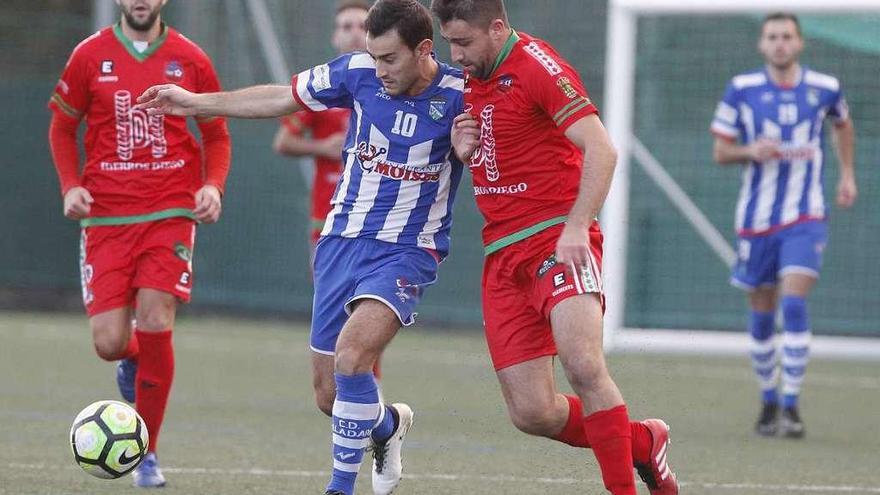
(522, 283)
(117, 260)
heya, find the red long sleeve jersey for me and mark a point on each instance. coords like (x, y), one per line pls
(136, 164)
(526, 172)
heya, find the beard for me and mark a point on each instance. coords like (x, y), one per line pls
(146, 25)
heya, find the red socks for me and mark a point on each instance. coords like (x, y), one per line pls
(133, 349)
(610, 436)
(573, 432)
(154, 376)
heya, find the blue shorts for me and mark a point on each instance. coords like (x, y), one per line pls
(763, 260)
(349, 269)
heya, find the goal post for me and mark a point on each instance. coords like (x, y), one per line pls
(622, 42)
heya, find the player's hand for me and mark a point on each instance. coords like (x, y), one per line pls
(77, 203)
(331, 146)
(465, 136)
(168, 99)
(573, 245)
(208, 204)
(847, 192)
(764, 150)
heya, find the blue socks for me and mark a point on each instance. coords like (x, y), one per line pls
(763, 352)
(355, 412)
(357, 417)
(795, 348)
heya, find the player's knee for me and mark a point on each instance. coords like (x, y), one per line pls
(533, 419)
(155, 317)
(587, 375)
(352, 360)
(109, 346)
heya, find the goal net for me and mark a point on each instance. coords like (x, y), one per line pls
(669, 218)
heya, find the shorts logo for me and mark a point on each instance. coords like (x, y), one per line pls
(183, 252)
(174, 71)
(184, 278)
(547, 265)
(558, 279)
(405, 290)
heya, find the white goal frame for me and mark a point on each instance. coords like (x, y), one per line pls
(620, 55)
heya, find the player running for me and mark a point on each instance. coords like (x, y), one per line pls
(145, 184)
(771, 120)
(542, 164)
(389, 226)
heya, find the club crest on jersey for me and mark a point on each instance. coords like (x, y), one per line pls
(505, 83)
(767, 97)
(813, 97)
(106, 67)
(567, 88)
(174, 71)
(436, 108)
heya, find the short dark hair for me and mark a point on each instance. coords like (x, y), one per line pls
(479, 12)
(782, 16)
(411, 19)
(352, 4)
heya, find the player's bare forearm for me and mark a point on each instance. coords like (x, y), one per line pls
(254, 102)
(289, 144)
(600, 159)
(727, 152)
(845, 142)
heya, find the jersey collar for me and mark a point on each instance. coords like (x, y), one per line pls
(129, 46)
(505, 51)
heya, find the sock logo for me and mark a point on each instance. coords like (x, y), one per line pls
(345, 455)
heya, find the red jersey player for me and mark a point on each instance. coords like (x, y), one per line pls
(542, 164)
(138, 197)
(327, 128)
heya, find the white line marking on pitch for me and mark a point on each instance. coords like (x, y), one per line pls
(489, 478)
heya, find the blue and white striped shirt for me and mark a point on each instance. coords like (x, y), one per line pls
(788, 189)
(400, 174)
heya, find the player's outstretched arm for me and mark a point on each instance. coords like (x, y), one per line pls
(600, 159)
(845, 142)
(255, 102)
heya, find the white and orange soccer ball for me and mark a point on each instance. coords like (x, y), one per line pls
(109, 439)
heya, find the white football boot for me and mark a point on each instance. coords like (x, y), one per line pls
(387, 463)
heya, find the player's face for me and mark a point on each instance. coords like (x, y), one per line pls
(349, 33)
(473, 47)
(141, 15)
(397, 66)
(780, 44)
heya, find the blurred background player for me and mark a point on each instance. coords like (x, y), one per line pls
(145, 184)
(542, 164)
(389, 227)
(321, 134)
(771, 119)
(327, 129)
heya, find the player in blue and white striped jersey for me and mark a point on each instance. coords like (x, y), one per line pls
(772, 120)
(389, 227)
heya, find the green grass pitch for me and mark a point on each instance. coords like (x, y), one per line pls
(241, 418)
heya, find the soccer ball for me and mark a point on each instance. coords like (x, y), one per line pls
(108, 439)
